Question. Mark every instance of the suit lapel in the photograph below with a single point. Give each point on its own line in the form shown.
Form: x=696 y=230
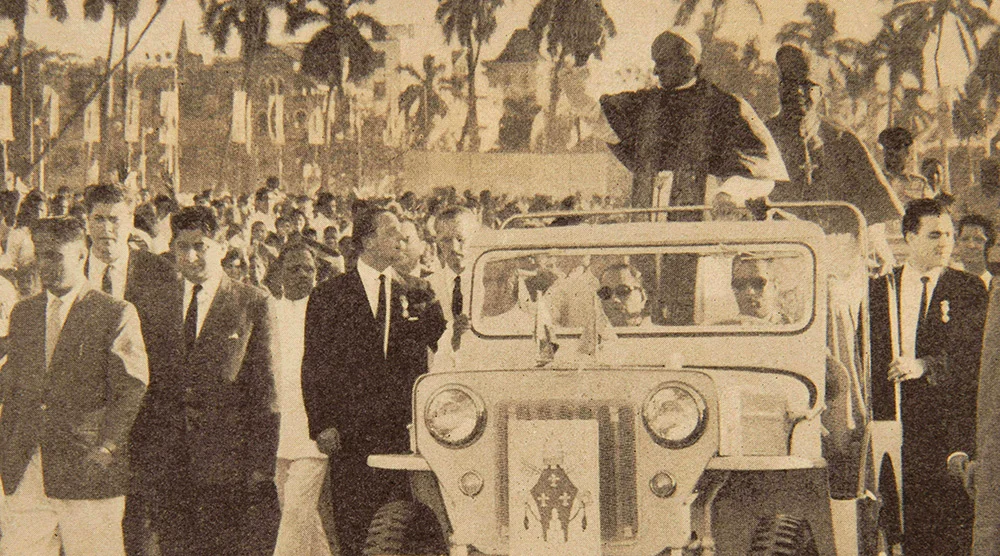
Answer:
x=219 y=313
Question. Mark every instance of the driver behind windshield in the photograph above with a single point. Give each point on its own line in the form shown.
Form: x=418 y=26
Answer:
x=622 y=296
x=755 y=290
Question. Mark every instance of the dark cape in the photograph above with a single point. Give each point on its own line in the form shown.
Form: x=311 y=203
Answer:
x=836 y=168
x=693 y=132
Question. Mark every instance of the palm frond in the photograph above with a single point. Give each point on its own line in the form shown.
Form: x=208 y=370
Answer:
x=93 y=9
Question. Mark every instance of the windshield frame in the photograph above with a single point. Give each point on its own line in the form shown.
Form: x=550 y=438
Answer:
x=655 y=331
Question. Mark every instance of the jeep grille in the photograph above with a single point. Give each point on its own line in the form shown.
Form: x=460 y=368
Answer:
x=616 y=431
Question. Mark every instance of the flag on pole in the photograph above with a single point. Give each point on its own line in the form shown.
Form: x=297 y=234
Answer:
x=276 y=118
x=248 y=125
x=132 y=126
x=51 y=98
x=316 y=126
x=111 y=96
x=238 y=133
x=92 y=121
x=6 y=119
x=169 y=111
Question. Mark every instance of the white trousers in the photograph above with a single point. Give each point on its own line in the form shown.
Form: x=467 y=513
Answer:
x=33 y=524
x=299 y=482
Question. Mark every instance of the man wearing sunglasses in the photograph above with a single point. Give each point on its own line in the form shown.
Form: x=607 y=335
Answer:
x=622 y=296
x=755 y=291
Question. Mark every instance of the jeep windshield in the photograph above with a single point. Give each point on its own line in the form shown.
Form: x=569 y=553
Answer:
x=714 y=289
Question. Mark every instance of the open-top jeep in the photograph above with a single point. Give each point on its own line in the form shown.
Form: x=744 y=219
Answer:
x=656 y=387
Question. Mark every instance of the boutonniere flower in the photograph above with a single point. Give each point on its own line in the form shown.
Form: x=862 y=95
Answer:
x=405 y=303
x=945 y=317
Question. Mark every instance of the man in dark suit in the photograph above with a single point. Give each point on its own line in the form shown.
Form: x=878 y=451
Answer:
x=205 y=440
x=366 y=339
x=139 y=277
x=940 y=312
x=73 y=382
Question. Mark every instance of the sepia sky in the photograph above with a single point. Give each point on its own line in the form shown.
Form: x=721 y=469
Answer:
x=638 y=21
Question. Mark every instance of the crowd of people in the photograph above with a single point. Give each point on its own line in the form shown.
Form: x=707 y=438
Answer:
x=183 y=375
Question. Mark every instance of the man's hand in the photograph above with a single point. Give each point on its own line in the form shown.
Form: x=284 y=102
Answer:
x=906 y=368
x=328 y=441
x=100 y=457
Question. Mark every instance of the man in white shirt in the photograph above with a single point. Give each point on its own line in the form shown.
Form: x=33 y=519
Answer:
x=73 y=383
x=300 y=467
x=452 y=230
x=976 y=235
x=941 y=312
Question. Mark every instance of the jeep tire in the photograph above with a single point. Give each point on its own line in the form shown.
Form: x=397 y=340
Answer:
x=405 y=528
x=783 y=535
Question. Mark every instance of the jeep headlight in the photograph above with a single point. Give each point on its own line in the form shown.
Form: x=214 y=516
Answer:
x=455 y=416
x=675 y=415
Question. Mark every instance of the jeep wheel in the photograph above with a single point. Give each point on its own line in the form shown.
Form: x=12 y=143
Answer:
x=404 y=527
x=783 y=535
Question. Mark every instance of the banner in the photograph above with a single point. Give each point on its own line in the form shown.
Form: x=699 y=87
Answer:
x=169 y=111
x=238 y=133
x=316 y=126
x=276 y=119
x=51 y=98
x=132 y=125
x=6 y=119
x=248 y=125
x=92 y=121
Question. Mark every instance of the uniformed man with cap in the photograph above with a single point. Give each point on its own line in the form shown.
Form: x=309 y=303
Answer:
x=687 y=126
x=898 y=159
x=825 y=162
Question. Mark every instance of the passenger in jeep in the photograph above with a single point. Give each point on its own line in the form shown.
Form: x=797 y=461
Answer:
x=755 y=290
x=622 y=296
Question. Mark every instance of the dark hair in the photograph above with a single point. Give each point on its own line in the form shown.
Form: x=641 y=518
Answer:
x=895 y=138
x=63 y=229
x=366 y=224
x=104 y=194
x=324 y=198
x=980 y=221
x=195 y=218
x=234 y=254
x=27 y=213
x=272 y=183
x=292 y=247
x=919 y=208
x=261 y=194
x=165 y=204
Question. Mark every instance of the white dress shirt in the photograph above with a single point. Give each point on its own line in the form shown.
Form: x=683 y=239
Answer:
x=986 y=277
x=293 y=438
x=67 y=300
x=205 y=297
x=910 y=292
x=370 y=280
x=119 y=273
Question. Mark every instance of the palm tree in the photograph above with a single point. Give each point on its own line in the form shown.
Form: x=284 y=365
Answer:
x=16 y=11
x=424 y=95
x=907 y=30
x=324 y=54
x=577 y=28
x=687 y=9
x=472 y=23
x=251 y=19
x=122 y=14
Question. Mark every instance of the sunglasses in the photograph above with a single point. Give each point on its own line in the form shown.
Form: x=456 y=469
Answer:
x=756 y=283
x=621 y=291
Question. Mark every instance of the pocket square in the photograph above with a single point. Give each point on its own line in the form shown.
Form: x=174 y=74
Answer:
x=234 y=336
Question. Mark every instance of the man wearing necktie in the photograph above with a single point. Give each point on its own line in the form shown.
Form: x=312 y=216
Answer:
x=367 y=337
x=138 y=277
x=73 y=383
x=453 y=227
x=941 y=312
x=209 y=430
